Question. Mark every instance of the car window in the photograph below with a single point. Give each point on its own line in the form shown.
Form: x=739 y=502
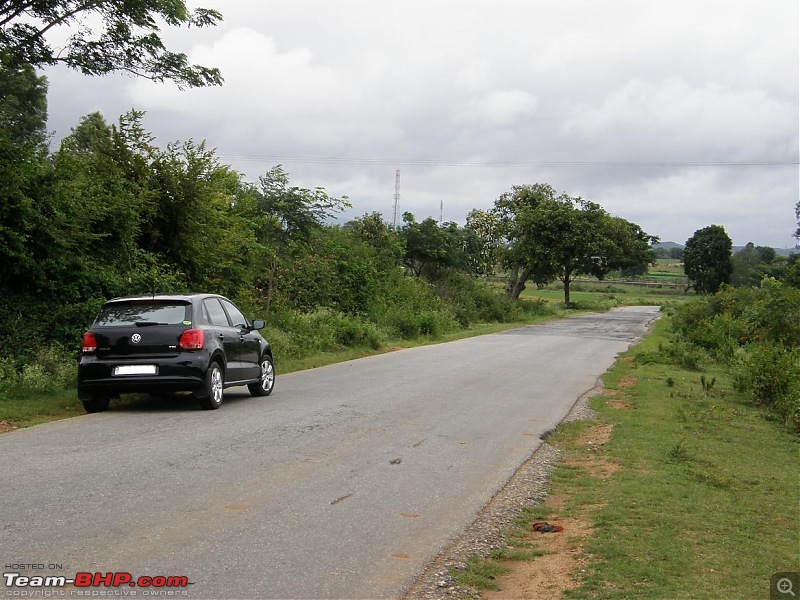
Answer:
x=216 y=312
x=144 y=312
x=237 y=318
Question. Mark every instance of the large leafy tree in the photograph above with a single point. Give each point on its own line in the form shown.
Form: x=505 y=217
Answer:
x=632 y=248
x=432 y=249
x=707 y=259
x=283 y=219
x=511 y=210
x=551 y=237
x=103 y=36
x=373 y=230
x=195 y=224
x=484 y=226
x=23 y=166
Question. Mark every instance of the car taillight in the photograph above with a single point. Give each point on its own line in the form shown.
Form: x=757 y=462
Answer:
x=89 y=343
x=191 y=339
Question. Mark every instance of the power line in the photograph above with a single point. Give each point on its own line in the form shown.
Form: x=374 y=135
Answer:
x=351 y=160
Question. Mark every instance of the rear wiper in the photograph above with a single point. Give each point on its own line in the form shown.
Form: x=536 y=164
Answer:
x=147 y=323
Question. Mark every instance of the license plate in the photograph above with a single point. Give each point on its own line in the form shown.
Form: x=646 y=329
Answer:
x=135 y=370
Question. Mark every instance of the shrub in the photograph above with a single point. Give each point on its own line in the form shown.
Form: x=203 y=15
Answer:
x=50 y=369
x=684 y=355
x=757 y=332
x=771 y=375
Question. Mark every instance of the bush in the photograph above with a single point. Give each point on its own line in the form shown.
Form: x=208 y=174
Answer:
x=684 y=355
x=771 y=375
x=757 y=332
x=51 y=368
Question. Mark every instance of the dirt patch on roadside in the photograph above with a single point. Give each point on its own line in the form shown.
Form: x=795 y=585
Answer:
x=550 y=575
x=558 y=570
x=595 y=437
x=6 y=426
x=619 y=404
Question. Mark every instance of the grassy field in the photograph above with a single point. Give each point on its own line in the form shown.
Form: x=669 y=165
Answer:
x=598 y=295
x=685 y=490
x=667 y=270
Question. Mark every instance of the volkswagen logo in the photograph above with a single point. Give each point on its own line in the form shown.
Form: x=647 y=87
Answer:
x=136 y=338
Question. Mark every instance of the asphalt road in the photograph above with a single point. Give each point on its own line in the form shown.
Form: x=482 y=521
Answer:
x=344 y=483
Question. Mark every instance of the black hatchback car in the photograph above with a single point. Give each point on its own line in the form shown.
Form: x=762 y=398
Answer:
x=198 y=343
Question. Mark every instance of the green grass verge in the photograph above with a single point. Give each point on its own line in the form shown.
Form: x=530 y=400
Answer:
x=705 y=504
x=29 y=407
x=705 y=501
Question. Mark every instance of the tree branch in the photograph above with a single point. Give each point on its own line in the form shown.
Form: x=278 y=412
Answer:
x=22 y=8
x=58 y=21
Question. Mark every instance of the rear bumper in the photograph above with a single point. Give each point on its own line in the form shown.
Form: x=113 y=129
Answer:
x=181 y=374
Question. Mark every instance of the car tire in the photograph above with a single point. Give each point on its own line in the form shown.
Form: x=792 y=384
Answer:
x=266 y=380
x=96 y=405
x=212 y=392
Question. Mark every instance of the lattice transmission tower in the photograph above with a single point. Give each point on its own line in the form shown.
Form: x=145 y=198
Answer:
x=396 y=198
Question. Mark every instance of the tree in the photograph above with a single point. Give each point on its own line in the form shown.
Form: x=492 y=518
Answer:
x=283 y=219
x=127 y=40
x=193 y=222
x=676 y=253
x=752 y=263
x=510 y=210
x=432 y=249
x=797 y=216
x=551 y=237
x=707 y=259
x=23 y=165
x=484 y=226
x=630 y=249
x=373 y=230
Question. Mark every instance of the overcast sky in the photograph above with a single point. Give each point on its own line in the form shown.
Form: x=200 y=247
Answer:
x=673 y=114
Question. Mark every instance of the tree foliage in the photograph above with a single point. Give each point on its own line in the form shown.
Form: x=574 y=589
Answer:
x=707 y=259
x=549 y=237
x=484 y=226
x=283 y=219
x=432 y=249
x=23 y=165
x=797 y=216
x=104 y=36
x=753 y=263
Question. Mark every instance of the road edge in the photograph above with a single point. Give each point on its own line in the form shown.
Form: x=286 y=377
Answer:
x=526 y=487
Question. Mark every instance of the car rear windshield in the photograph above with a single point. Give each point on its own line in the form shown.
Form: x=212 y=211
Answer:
x=143 y=313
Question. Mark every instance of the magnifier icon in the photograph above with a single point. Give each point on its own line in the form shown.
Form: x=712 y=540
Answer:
x=784 y=586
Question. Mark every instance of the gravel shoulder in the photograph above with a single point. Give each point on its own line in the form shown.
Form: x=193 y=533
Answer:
x=527 y=487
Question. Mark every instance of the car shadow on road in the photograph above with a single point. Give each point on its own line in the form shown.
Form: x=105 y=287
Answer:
x=171 y=403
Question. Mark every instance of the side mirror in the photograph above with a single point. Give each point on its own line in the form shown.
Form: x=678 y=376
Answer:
x=258 y=324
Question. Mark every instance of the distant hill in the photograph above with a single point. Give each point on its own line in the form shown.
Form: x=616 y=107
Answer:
x=778 y=251
x=667 y=245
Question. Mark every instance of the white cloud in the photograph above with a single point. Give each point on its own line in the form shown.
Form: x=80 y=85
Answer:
x=677 y=121
x=499 y=108
x=449 y=81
